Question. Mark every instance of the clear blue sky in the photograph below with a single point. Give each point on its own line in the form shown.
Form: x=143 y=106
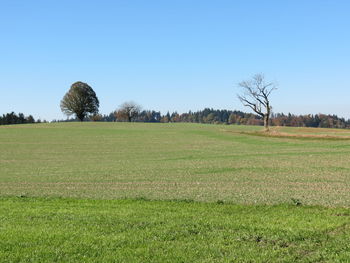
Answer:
x=174 y=55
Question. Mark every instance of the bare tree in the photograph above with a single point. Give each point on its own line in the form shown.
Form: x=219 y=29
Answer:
x=128 y=111
x=256 y=94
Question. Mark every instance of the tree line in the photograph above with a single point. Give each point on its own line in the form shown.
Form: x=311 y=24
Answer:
x=13 y=118
x=214 y=116
x=82 y=103
x=208 y=116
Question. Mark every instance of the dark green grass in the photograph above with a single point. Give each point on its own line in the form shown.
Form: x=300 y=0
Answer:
x=173 y=161
x=69 y=230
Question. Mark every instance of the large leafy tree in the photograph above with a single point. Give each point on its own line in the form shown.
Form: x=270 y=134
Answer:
x=80 y=100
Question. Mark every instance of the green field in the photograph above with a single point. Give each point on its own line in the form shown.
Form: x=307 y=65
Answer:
x=135 y=192
x=66 y=230
x=173 y=161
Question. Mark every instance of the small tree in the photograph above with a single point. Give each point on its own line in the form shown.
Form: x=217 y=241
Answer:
x=256 y=94
x=96 y=117
x=80 y=100
x=128 y=111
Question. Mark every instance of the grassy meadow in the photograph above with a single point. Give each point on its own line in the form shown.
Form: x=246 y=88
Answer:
x=72 y=230
x=136 y=192
x=174 y=161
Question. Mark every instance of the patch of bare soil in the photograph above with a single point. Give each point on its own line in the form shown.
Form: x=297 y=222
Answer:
x=279 y=134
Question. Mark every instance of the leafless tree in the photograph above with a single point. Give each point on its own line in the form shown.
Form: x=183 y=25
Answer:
x=256 y=94
x=128 y=111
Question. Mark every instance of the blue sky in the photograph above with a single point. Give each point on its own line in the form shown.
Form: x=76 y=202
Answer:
x=174 y=55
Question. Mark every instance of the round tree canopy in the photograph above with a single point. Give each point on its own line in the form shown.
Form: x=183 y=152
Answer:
x=80 y=100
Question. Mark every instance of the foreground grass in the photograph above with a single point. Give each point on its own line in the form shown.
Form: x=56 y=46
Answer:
x=71 y=230
x=174 y=161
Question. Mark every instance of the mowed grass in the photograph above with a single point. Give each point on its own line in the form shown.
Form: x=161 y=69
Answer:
x=174 y=161
x=72 y=230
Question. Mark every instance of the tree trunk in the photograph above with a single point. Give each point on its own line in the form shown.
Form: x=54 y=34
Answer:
x=266 y=122
x=80 y=117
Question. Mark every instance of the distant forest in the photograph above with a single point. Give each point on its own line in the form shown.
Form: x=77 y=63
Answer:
x=207 y=115
x=212 y=116
x=13 y=118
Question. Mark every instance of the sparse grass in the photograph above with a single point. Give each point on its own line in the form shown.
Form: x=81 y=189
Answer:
x=69 y=230
x=302 y=133
x=173 y=161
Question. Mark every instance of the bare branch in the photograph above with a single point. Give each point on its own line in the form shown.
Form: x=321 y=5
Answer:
x=256 y=94
x=128 y=111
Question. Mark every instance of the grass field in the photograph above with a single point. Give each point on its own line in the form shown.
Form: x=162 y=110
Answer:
x=174 y=161
x=134 y=192
x=66 y=230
